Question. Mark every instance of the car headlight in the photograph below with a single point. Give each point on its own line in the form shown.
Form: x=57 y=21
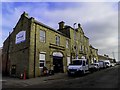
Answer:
x=79 y=69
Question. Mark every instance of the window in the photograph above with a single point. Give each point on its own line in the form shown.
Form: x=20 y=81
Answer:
x=77 y=62
x=82 y=38
x=67 y=43
x=81 y=48
x=57 y=40
x=42 y=36
x=41 y=60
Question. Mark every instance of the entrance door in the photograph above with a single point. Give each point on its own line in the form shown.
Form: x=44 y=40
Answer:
x=58 y=64
x=13 y=70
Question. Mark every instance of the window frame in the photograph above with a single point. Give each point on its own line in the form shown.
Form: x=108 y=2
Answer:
x=42 y=60
x=43 y=37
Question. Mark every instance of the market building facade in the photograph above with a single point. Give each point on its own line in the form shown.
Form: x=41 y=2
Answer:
x=33 y=45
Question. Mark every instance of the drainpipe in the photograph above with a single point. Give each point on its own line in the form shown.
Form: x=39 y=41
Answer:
x=35 y=51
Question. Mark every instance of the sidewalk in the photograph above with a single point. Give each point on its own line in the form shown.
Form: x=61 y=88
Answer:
x=16 y=82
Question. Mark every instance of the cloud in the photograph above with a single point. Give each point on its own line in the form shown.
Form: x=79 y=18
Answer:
x=60 y=0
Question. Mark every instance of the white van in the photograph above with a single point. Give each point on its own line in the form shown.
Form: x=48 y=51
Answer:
x=78 y=66
x=107 y=62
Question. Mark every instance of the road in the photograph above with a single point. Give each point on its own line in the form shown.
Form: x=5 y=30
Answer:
x=107 y=78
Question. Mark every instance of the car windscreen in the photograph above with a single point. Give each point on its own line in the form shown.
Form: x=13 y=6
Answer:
x=77 y=62
x=106 y=63
x=96 y=64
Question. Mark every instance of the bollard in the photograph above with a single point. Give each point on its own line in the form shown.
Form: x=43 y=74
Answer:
x=24 y=75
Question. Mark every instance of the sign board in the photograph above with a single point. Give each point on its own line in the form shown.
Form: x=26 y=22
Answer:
x=20 y=37
x=59 y=54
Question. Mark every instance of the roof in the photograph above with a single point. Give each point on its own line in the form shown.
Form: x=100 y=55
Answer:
x=37 y=22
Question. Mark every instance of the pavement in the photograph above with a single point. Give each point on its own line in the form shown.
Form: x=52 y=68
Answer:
x=8 y=82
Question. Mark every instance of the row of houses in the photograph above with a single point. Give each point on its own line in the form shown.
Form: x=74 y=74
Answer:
x=33 y=45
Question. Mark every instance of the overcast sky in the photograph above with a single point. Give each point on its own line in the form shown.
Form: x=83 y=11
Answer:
x=99 y=20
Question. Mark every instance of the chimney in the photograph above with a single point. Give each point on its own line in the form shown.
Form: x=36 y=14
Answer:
x=79 y=25
x=61 y=25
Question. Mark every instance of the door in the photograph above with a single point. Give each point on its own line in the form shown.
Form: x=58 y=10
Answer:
x=13 y=70
x=58 y=64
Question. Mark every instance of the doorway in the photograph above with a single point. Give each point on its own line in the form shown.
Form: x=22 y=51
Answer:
x=58 y=64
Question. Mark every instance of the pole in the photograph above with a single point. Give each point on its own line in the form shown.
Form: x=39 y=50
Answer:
x=113 y=55
x=34 y=51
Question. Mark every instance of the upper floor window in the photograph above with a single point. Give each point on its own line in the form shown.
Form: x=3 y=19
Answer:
x=82 y=38
x=81 y=48
x=42 y=36
x=67 y=43
x=57 y=40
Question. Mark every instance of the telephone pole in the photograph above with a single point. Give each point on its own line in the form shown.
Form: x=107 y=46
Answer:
x=113 y=55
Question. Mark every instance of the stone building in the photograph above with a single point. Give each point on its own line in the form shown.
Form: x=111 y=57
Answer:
x=93 y=54
x=33 y=45
x=106 y=57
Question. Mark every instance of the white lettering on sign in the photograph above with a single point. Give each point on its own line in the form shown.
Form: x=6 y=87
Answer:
x=20 y=37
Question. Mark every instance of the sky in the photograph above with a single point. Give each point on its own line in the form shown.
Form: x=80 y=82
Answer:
x=99 y=20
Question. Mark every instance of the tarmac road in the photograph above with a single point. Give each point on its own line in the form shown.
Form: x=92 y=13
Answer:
x=107 y=78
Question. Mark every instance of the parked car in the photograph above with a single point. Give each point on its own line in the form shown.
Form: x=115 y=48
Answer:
x=102 y=64
x=94 y=67
x=78 y=67
x=112 y=64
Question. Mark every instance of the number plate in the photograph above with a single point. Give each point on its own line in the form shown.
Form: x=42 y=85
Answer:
x=72 y=72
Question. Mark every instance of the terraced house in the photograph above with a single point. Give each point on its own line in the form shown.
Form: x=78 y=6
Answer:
x=33 y=45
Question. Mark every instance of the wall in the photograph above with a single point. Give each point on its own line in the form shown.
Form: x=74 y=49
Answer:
x=18 y=53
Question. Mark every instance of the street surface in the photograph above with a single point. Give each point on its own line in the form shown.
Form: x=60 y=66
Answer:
x=106 y=78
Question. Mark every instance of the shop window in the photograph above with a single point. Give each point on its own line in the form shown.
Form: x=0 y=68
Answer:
x=41 y=60
x=42 y=36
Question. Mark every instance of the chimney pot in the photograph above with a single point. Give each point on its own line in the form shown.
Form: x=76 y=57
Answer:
x=61 y=25
x=79 y=25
